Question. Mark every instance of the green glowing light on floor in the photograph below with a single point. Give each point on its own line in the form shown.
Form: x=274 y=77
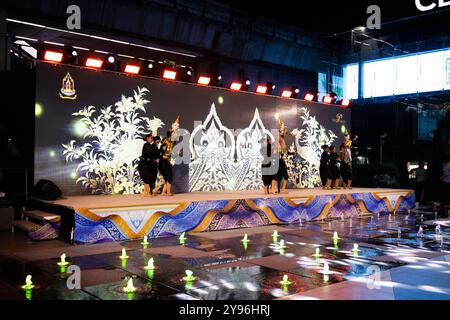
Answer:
x=124 y=255
x=150 y=274
x=130 y=288
x=275 y=237
x=150 y=265
x=63 y=262
x=182 y=238
x=245 y=239
x=221 y=100
x=38 y=110
x=343 y=129
x=73 y=175
x=189 y=277
x=52 y=154
x=145 y=241
x=28 y=294
x=317 y=255
x=28 y=283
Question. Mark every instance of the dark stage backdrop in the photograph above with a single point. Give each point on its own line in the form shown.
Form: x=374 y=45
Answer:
x=89 y=129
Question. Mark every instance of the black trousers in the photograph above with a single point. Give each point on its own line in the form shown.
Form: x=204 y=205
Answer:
x=148 y=172
x=346 y=172
x=324 y=173
x=282 y=171
x=165 y=168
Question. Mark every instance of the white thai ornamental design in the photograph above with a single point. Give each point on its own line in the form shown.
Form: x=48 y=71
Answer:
x=248 y=174
x=108 y=156
x=212 y=148
x=304 y=167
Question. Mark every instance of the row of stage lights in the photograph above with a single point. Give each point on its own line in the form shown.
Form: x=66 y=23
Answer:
x=203 y=80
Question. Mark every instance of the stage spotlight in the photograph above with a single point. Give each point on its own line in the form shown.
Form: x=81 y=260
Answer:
x=132 y=69
x=204 y=81
x=189 y=73
x=309 y=97
x=327 y=99
x=111 y=59
x=219 y=78
x=236 y=86
x=344 y=102
x=94 y=63
x=261 y=89
x=74 y=53
x=150 y=66
x=53 y=56
x=169 y=75
x=248 y=82
x=297 y=91
x=286 y=94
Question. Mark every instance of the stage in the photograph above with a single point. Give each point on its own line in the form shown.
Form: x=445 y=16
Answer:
x=101 y=218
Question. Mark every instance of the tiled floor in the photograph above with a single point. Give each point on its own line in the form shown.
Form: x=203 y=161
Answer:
x=388 y=266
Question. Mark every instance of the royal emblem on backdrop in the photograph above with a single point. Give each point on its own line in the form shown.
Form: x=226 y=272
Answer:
x=339 y=118
x=68 y=88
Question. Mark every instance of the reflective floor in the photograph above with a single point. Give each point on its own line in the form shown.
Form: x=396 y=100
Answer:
x=391 y=262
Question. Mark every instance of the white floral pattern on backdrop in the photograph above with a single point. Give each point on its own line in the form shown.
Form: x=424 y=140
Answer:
x=304 y=162
x=107 y=158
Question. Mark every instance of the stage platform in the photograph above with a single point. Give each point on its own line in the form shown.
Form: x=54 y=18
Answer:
x=102 y=218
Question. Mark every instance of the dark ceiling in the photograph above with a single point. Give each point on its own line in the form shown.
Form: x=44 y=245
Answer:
x=329 y=17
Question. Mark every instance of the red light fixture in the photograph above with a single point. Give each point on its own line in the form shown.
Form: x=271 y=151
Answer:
x=286 y=94
x=261 y=89
x=94 y=63
x=309 y=97
x=236 y=86
x=345 y=103
x=169 y=75
x=53 y=56
x=204 y=81
x=328 y=99
x=132 y=69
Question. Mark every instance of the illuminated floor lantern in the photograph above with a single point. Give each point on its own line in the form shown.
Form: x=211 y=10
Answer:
x=183 y=238
x=317 y=255
x=145 y=241
x=130 y=288
x=355 y=249
x=124 y=255
x=189 y=277
x=150 y=264
x=285 y=283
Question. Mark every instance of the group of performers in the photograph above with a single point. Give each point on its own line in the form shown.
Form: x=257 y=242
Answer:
x=335 y=165
x=157 y=156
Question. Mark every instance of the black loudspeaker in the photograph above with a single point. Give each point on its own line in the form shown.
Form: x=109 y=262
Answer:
x=47 y=190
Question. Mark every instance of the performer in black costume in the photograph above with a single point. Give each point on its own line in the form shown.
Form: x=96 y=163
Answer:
x=155 y=155
x=147 y=165
x=324 y=168
x=266 y=152
x=335 y=165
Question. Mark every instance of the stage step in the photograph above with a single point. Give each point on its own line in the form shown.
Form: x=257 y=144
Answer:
x=41 y=216
x=26 y=226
